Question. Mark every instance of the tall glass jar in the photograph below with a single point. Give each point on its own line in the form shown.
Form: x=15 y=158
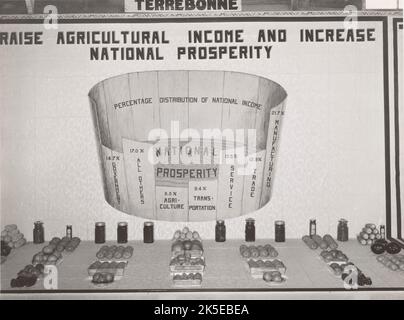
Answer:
x=220 y=231
x=342 y=230
x=250 y=230
x=38 y=232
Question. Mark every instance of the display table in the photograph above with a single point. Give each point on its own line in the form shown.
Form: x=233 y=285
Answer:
x=148 y=268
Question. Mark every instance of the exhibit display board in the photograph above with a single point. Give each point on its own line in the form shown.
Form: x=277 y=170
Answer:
x=81 y=101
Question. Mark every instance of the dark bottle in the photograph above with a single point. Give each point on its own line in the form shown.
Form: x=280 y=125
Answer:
x=122 y=232
x=69 y=231
x=383 y=232
x=99 y=232
x=342 y=230
x=38 y=232
x=312 y=227
x=148 y=232
x=250 y=230
x=220 y=231
x=279 y=231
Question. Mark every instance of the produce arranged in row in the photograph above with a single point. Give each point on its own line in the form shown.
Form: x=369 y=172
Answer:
x=184 y=262
x=114 y=267
x=111 y=264
x=258 y=267
x=103 y=278
x=114 y=252
x=11 y=238
x=338 y=263
x=28 y=276
x=315 y=241
x=258 y=252
x=273 y=277
x=381 y=246
x=187 y=279
x=369 y=234
x=186 y=241
x=333 y=256
x=52 y=253
x=187 y=262
x=262 y=264
x=393 y=262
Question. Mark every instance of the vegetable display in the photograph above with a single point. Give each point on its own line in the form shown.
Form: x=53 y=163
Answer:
x=187 y=263
x=11 y=238
x=316 y=241
x=52 y=253
x=28 y=276
x=273 y=276
x=393 y=262
x=114 y=267
x=100 y=278
x=368 y=235
x=258 y=252
x=114 y=253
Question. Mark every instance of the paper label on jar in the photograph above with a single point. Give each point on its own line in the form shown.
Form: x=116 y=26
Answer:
x=140 y=177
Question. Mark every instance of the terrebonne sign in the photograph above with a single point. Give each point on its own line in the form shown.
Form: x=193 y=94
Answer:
x=181 y=5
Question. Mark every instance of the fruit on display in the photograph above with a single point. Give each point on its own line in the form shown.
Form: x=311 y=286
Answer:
x=187 y=279
x=103 y=278
x=393 y=248
x=12 y=236
x=114 y=252
x=382 y=246
x=368 y=235
x=261 y=259
x=187 y=241
x=310 y=242
x=320 y=242
x=28 y=276
x=379 y=246
x=114 y=267
x=316 y=241
x=393 y=262
x=330 y=256
x=273 y=276
x=258 y=252
x=187 y=262
x=332 y=244
x=5 y=249
x=52 y=252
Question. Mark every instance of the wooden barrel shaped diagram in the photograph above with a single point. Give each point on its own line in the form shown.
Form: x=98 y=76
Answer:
x=187 y=145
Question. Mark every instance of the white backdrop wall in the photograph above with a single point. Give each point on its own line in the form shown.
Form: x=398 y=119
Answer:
x=331 y=160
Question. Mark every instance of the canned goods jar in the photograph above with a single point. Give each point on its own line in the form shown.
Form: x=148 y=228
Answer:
x=342 y=230
x=279 y=231
x=220 y=231
x=383 y=232
x=38 y=232
x=99 y=232
x=148 y=232
x=250 y=230
x=69 y=231
x=122 y=232
x=312 y=227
